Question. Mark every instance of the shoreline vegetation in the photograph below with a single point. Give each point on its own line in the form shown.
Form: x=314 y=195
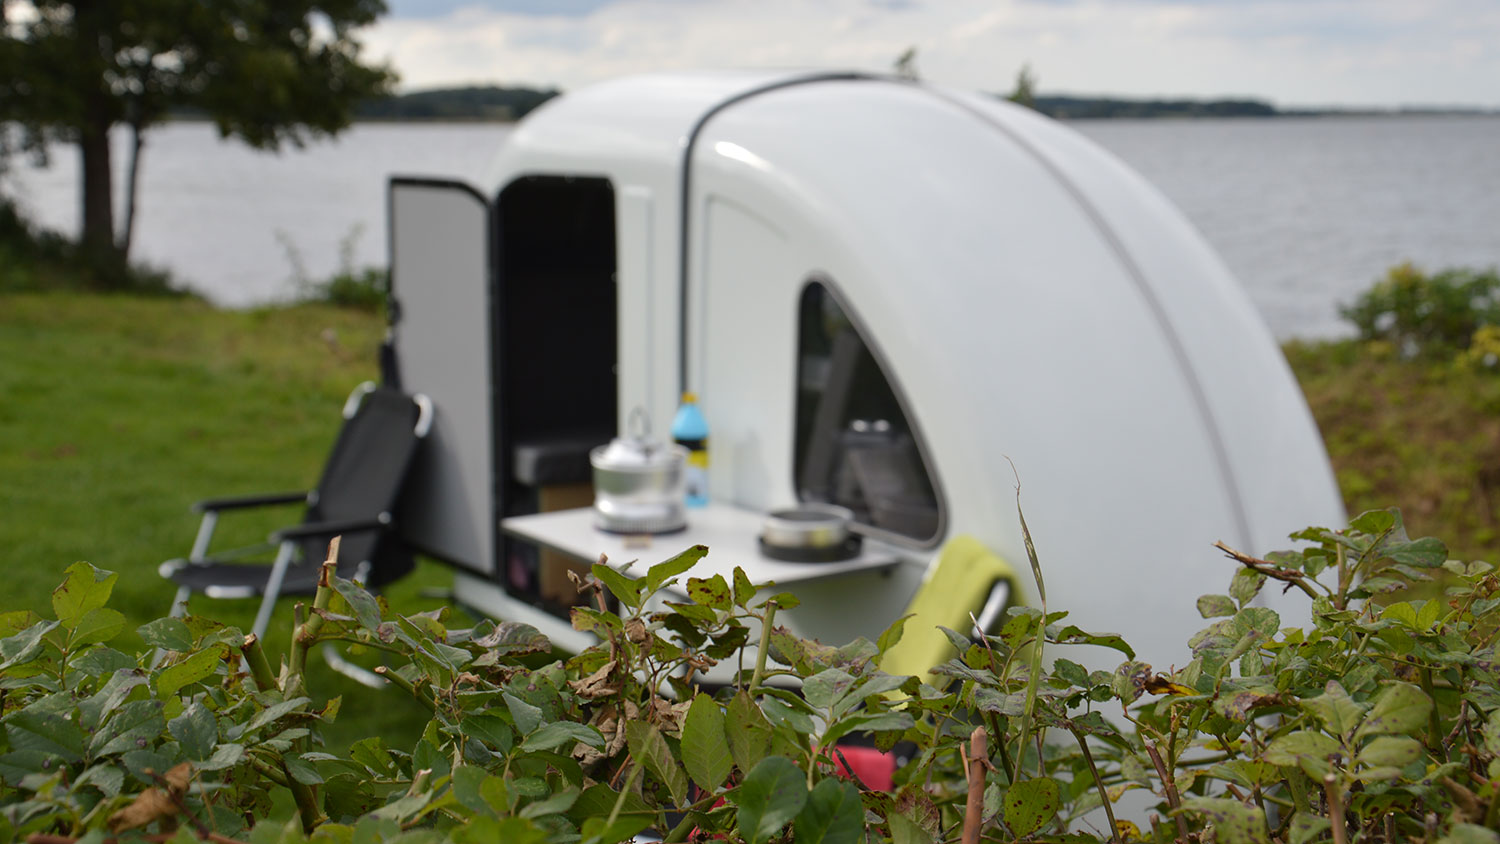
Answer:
x=507 y=104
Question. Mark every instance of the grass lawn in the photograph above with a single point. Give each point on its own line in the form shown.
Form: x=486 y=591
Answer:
x=116 y=413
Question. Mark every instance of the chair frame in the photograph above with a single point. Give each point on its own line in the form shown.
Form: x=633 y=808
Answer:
x=286 y=539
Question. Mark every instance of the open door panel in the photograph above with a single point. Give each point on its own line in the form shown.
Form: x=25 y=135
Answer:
x=442 y=290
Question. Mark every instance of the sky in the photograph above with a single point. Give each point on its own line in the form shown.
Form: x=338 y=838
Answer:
x=1377 y=53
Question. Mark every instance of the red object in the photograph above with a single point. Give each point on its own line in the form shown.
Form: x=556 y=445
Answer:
x=869 y=767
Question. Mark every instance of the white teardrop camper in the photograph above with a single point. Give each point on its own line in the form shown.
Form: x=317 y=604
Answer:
x=882 y=293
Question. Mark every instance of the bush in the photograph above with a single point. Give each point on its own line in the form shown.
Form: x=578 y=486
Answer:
x=1375 y=723
x=1430 y=315
x=37 y=259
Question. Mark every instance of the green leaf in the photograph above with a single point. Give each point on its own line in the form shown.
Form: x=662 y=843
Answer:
x=1214 y=606
x=772 y=794
x=1071 y=635
x=705 y=747
x=97 y=625
x=833 y=815
x=196 y=730
x=625 y=588
x=649 y=748
x=1306 y=828
x=224 y=756
x=892 y=634
x=526 y=717
x=302 y=771
x=744 y=590
x=106 y=777
x=1401 y=612
x=275 y=712
x=1392 y=751
x=30 y=729
x=1245 y=584
x=558 y=803
x=169 y=634
x=1339 y=713
x=490 y=729
x=1306 y=748
x=749 y=732
x=86 y=588
x=659 y=574
x=904 y=830
x=1234 y=822
x=1373 y=522
x=824 y=689
x=561 y=733
x=710 y=592
x=1468 y=833
x=98 y=662
x=1427 y=553
x=366 y=608
x=1400 y=709
x=594 y=805
x=188 y=671
x=1030 y=804
x=134 y=726
x=93 y=710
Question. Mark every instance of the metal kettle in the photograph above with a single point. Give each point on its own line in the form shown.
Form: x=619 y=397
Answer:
x=639 y=482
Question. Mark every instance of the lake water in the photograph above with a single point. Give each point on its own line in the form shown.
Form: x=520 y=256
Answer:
x=1306 y=212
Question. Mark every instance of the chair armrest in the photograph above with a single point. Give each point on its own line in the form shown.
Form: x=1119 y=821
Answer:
x=213 y=505
x=308 y=529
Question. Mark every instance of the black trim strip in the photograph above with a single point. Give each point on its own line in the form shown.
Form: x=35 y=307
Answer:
x=685 y=209
x=1138 y=278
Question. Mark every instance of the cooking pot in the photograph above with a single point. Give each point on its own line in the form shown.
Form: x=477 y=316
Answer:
x=639 y=486
x=812 y=532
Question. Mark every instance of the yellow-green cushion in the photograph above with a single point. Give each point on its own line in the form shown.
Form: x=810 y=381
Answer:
x=955 y=587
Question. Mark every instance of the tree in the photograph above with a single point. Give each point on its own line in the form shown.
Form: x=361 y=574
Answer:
x=1025 y=93
x=265 y=71
x=905 y=66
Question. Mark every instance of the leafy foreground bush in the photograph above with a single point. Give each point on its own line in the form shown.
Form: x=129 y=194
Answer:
x=1375 y=723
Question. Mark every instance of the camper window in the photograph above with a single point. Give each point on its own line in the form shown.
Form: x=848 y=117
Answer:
x=854 y=444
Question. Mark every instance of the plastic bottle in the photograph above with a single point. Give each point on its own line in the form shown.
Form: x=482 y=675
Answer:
x=690 y=430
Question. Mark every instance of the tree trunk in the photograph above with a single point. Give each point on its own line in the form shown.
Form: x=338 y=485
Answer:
x=132 y=176
x=97 y=186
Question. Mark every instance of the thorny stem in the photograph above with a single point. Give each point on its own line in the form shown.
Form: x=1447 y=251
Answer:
x=1170 y=786
x=1336 y=809
x=405 y=685
x=765 y=645
x=1269 y=569
x=1109 y=809
x=974 y=770
x=1434 y=728
x=306 y=634
x=260 y=667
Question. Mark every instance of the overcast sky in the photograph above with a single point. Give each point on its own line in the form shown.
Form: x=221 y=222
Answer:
x=1293 y=52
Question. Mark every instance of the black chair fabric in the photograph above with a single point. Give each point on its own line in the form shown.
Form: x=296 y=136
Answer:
x=361 y=481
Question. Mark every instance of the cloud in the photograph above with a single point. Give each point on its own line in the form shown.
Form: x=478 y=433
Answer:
x=1357 y=52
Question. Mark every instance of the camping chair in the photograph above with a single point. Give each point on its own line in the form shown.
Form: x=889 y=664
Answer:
x=354 y=499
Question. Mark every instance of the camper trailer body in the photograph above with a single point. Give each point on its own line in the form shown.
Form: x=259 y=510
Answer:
x=1028 y=309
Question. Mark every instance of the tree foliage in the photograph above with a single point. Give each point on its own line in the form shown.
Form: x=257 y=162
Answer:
x=265 y=71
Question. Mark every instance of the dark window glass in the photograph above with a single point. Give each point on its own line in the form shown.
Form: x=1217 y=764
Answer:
x=854 y=444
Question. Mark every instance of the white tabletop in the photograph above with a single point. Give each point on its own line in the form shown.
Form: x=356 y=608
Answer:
x=731 y=534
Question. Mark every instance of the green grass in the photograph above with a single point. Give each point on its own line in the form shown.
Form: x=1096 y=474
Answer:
x=117 y=412
x=1421 y=435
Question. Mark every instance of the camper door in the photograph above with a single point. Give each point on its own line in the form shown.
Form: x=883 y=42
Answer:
x=442 y=291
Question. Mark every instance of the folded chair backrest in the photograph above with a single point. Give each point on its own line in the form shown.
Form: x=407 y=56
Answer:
x=362 y=480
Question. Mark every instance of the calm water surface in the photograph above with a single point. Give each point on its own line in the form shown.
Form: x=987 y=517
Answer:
x=1306 y=212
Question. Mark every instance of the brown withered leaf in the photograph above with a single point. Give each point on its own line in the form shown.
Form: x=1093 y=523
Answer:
x=154 y=803
x=635 y=631
x=602 y=683
x=668 y=716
